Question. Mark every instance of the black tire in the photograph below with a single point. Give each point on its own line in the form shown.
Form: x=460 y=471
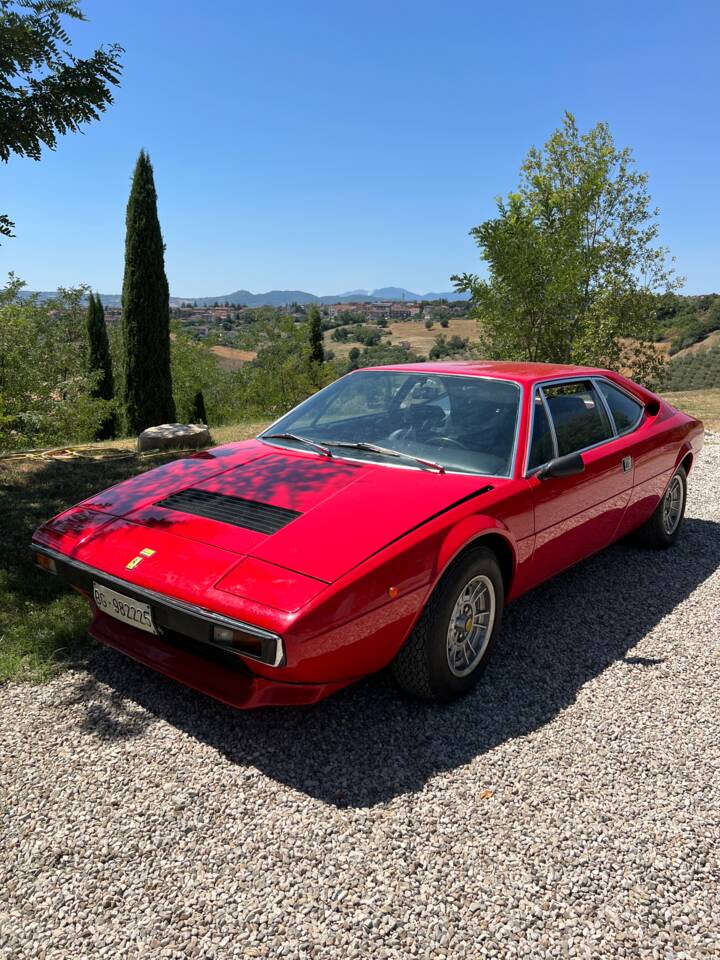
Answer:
x=655 y=533
x=422 y=666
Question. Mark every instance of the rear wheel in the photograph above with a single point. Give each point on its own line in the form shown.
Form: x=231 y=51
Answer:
x=663 y=527
x=451 y=642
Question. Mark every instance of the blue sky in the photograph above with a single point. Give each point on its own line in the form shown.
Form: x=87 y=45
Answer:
x=326 y=146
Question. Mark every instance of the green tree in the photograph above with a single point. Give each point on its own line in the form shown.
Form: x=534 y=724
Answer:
x=573 y=261
x=454 y=347
x=195 y=369
x=369 y=336
x=382 y=353
x=47 y=395
x=100 y=363
x=45 y=91
x=147 y=390
x=281 y=375
x=314 y=319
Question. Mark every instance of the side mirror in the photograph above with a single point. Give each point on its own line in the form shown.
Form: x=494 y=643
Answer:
x=652 y=408
x=566 y=466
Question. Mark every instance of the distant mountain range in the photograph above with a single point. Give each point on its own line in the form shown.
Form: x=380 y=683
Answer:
x=281 y=298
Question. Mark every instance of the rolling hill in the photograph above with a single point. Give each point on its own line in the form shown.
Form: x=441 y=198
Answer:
x=281 y=298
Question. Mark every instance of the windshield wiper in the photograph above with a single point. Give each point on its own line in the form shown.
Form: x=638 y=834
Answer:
x=321 y=447
x=386 y=451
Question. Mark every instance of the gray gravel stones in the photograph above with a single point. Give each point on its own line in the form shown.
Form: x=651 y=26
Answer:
x=569 y=808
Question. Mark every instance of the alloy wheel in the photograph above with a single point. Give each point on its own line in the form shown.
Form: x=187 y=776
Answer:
x=471 y=625
x=672 y=505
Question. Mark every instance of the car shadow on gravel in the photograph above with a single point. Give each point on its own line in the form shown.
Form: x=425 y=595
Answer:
x=368 y=743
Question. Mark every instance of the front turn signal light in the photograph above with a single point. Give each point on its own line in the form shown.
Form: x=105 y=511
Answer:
x=45 y=563
x=238 y=641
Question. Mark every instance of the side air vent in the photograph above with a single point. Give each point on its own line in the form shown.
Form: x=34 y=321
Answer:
x=261 y=517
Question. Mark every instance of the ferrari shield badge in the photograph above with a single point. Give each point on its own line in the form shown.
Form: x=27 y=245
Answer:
x=145 y=552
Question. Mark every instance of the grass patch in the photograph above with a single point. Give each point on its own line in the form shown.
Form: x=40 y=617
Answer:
x=704 y=404
x=43 y=626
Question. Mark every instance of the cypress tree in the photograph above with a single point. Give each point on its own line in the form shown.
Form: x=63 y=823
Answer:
x=198 y=414
x=147 y=390
x=317 y=351
x=100 y=363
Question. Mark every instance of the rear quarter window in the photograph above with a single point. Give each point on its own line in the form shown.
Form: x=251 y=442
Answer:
x=578 y=415
x=626 y=412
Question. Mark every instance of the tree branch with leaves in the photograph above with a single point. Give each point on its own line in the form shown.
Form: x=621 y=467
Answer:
x=45 y=90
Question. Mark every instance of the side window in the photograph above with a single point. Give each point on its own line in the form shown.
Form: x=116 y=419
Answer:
x=578 y=415
x=541 y=443
x=626 y=411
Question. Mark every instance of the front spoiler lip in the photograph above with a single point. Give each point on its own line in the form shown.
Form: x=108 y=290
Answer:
x=191 y=610
x=239 y=689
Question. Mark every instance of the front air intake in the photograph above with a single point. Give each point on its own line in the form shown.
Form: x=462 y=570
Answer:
x=251 y=514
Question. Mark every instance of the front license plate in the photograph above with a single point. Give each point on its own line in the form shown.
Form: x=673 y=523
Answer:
x=124 y=608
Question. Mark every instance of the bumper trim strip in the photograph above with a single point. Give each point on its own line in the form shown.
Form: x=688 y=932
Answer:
x=209 y=616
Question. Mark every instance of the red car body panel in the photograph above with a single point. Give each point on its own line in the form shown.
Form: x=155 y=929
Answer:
x=344 y=583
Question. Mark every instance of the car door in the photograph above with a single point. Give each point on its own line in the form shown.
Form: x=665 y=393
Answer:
x=578 y=515
x=654 y=451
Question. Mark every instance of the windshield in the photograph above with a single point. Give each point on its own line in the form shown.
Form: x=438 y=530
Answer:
x=460 y=423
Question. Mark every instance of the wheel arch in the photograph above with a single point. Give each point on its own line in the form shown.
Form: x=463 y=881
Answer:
x=685 y=456
x=460 y=542
x=686 y=461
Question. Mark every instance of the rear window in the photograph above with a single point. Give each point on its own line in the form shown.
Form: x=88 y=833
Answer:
x=626 y=412
x=578 y=415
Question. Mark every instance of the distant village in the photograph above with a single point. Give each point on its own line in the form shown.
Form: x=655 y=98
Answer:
x=221 y=320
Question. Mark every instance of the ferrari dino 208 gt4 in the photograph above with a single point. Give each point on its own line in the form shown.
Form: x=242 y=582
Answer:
x=385 y=520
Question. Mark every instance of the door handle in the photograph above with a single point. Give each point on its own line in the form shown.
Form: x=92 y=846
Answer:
x=627 y=464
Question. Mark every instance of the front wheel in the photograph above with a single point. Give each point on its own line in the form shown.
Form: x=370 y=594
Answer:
x=663 y=527
x=451 y=642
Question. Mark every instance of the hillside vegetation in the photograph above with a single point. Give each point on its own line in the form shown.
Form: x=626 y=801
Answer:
x=685 y=321
x=698 y=370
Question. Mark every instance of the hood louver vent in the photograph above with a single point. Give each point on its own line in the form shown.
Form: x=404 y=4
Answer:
x=251 y=514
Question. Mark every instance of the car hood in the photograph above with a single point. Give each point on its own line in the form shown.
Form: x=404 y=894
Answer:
x=317 y=516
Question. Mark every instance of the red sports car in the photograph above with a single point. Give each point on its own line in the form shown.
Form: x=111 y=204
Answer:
x=385 y=520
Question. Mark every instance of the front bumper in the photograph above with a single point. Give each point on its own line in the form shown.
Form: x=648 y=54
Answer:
x=184 y=648
x=231 y=683
x=171 y=616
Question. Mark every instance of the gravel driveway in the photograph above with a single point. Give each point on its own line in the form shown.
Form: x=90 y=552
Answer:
x=570 y=807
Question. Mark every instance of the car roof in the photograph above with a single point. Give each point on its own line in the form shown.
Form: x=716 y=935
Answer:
x=520 y=372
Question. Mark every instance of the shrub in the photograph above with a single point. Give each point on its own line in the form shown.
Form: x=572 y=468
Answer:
x=45 y=386
x=449 y=348
x=369 y=336
x=199 y=414
x=195 y=369
x=382 y=353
